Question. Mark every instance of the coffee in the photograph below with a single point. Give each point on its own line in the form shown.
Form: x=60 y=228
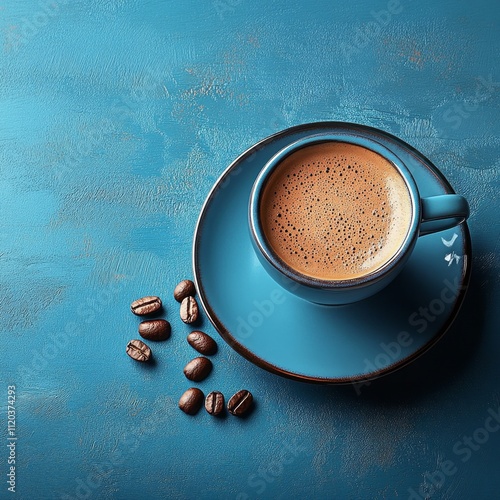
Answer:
x=138 y=350
x=155 y=329
x=146 y=305
x=335 y=211
x=202 y=342
x=189 y=310
x=191 y=401
x=214 y=403
x=240 y=403
x=198 y=369
x=184 y=289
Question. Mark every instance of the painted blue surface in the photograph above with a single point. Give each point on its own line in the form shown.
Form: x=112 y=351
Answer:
x=116 y=118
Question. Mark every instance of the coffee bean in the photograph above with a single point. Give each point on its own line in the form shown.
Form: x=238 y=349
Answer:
x=189 y=310
x=214 y=403
x=202 y=342
x=198 y=369
x=138 y=350
x=240 y=403
x=146 y=305
x=184 y=289
x=155 y=329
x=191 y=401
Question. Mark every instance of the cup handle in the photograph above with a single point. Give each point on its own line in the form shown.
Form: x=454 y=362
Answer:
x=442 y=212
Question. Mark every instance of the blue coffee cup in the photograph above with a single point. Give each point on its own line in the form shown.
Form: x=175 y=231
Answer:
x=425 y=215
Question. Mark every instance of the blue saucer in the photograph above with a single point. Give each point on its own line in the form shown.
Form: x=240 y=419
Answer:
x=330 y=344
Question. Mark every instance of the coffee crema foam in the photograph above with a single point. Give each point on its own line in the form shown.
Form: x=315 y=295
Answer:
x=335 y=211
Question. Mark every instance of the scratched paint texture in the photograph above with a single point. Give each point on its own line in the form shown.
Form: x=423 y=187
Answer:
x=116 y=117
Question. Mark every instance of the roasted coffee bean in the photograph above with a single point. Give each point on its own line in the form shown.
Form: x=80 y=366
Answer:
x=214 y=403
x=202 y=342
x=138 y=350
x=198 y=369
x=155 y=329
x=184 y=289
x=240 y=403
x=191 y=401
x=146 y=305
x=189 y=310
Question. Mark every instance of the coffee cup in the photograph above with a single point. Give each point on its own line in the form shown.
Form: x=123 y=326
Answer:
x=334 y=217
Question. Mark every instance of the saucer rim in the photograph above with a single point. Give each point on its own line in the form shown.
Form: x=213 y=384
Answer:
x=270 y=367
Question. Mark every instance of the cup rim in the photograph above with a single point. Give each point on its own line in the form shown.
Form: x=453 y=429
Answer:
x=265 y=249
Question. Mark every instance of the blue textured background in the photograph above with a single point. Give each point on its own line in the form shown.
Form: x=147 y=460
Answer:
x=116 y=117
